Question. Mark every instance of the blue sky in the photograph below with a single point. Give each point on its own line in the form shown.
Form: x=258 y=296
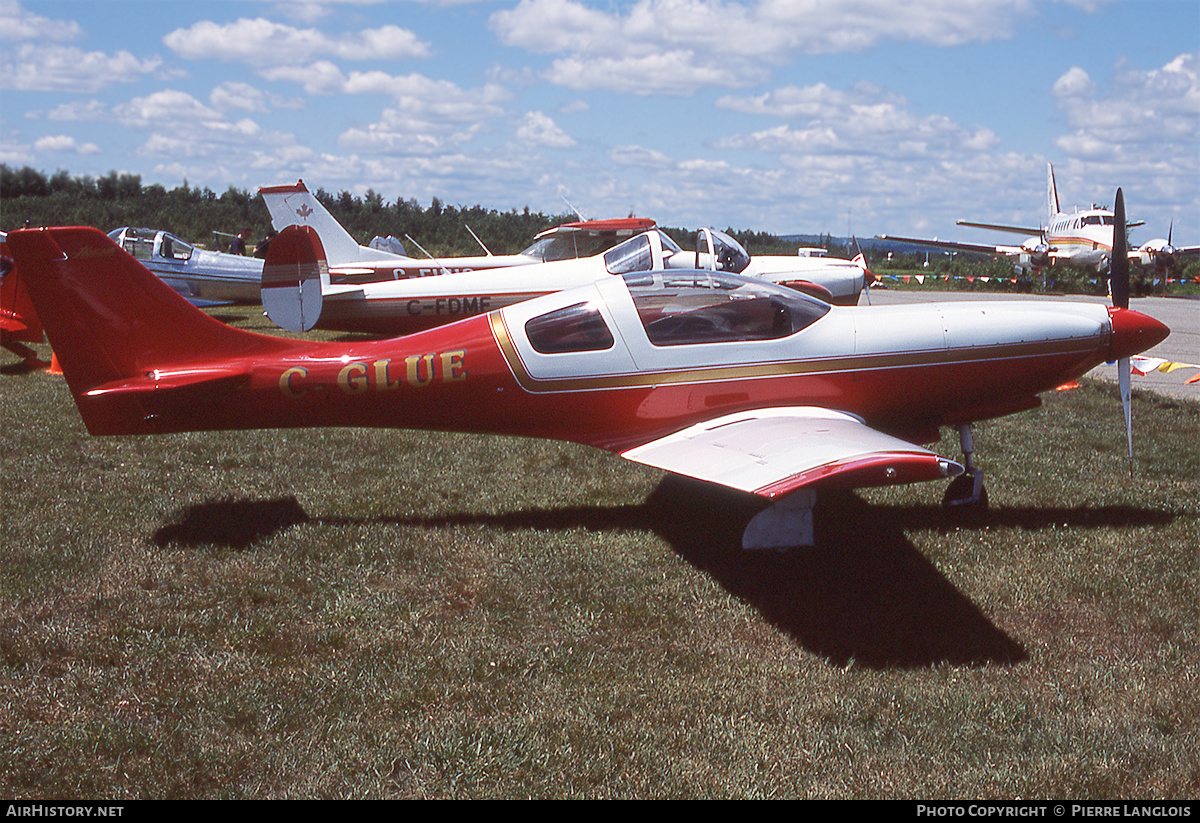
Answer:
x=863 y=116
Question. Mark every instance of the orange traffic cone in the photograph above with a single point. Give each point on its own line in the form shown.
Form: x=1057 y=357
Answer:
x=54 y=367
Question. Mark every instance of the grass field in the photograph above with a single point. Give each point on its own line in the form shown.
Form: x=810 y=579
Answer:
x=343 y=613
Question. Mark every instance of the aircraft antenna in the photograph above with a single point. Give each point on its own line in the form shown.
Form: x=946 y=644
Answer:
x=574 y=210
x=486 y=250
x=427 y=254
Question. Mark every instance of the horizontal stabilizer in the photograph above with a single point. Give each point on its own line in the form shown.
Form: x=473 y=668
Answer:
x=294 y=276
x=168 y=380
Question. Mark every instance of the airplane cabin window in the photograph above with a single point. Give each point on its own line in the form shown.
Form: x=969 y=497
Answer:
x=570 y=245
x=574 y=328
x=716 y=308
x=172 y=248
x=632 y=255
x=138 y=242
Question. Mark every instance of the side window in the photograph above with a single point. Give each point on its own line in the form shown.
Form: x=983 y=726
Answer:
x=632 y=255
x=173 y=248
x=574 y=328
x=138 y=243
x=758 y=318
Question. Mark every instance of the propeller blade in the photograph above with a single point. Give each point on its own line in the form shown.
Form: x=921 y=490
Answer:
x=868 y=275
x=1118 y=274
x=1124 y=371
x=1118 y=266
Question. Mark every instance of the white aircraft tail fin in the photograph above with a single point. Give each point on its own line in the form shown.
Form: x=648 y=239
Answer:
x=297 y=206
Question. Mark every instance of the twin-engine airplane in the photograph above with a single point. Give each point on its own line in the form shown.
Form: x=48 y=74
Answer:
x=299 y=294
x=707 y=374
x=1081 y=239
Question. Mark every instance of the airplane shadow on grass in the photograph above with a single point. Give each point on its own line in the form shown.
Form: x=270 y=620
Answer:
x=863 y=595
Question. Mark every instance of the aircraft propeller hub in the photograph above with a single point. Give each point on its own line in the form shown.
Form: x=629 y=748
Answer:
x=1134 y=332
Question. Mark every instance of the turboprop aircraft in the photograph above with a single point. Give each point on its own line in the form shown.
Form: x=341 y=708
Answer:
x=200 y=275
x=350 y=262
x=305 y=298
x=708 y=374
x=1080 y=239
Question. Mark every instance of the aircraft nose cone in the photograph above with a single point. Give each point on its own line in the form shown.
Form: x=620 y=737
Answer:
x=1133 y=333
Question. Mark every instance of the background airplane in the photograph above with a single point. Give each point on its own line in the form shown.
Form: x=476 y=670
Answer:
x=706 y=374
x=351 y=262
x=1080 y=239
x=200 y=275
x=299 y=294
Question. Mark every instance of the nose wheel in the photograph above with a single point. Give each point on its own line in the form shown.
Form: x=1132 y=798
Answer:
x=967 y=490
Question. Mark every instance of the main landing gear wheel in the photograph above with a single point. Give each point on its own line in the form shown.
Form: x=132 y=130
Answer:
x=967 y=491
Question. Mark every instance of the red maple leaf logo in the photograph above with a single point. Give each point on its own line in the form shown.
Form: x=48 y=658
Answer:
x=304 y=211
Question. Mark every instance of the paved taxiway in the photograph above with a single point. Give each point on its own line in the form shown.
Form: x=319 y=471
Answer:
x=1182 y=316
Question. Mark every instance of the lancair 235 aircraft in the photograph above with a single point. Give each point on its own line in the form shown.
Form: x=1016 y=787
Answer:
x=707 y=374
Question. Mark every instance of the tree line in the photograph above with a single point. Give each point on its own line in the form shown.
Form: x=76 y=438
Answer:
x=200 y=215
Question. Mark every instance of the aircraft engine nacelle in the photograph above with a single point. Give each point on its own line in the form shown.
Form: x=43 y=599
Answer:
x=1158 y=253
x=1036 y=254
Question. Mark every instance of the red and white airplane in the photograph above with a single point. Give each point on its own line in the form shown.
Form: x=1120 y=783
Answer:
x=1080 y=239
x=707 y=374
x=372 y=290
x=302 y=299
x=385 y=258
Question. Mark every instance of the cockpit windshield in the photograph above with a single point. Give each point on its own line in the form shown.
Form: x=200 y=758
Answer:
x=637 y=254
x=568 y=245
x=687 y=307
x=172 y=248
x=718 y=251
x=140 y=244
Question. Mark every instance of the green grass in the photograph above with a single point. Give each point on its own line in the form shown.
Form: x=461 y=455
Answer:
x=343 y=613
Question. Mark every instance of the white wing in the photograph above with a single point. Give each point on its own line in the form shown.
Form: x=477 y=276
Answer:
x=772 y=452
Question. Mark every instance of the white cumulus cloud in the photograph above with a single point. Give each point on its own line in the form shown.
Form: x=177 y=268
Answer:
x=264 y=42
x=538 y=129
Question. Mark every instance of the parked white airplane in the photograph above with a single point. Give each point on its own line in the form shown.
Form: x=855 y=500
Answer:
x=830 y=279
x=385 y=258
x=298 y=293
x=1080 y=239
